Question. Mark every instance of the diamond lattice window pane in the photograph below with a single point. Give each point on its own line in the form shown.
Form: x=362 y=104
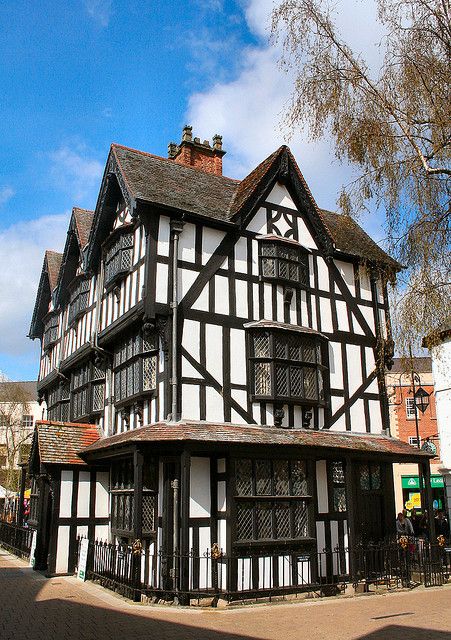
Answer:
x=268 y=249
x=263 y=477
x=148 y=512
x=299 y=485
x=263 y=386
x=280 y=346
x=244 y=521
x=309 y=351
x=264 y=521
x=339 y=494
x=364 y=474
x=375 y=476
x=284 y=269
x=281 y=477
x=310 y=386
x=282 y=386
x=149 y=373
x=296 y=381
x=338 y=474
x=243 y=479
x=98 y=395
x=300 y=520
x=269 y=267
x=294 y=348
x=261 y=345
x=282 y=513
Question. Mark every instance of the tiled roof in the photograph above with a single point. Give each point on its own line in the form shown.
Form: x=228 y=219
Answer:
x=350 y=238
x=54 y=261
x=233 y=434
x=271 y=324
x=420 y=365
x=163 y=182
x=83 y=221
x=28 y=388
x=59 y=442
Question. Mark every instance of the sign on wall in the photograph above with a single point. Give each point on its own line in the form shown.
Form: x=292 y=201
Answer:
x=413 y=482
x=32 y=560
x=83 y=559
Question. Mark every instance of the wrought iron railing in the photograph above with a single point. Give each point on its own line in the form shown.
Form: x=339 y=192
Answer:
x=15 y=538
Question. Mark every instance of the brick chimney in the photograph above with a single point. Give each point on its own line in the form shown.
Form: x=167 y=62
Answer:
x=194 y=153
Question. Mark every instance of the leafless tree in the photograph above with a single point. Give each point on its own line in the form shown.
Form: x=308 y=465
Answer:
x=393 y=125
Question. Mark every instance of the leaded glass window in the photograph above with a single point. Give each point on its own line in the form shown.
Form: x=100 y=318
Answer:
x=284 y=260
x=135 y=366
x=118 y=258
x=122 y=498
x=79 y=299
x=87 y=390
x=370 y=476
x=58 y=399
x=286 y=365
x=272 y=498
x=50 y=331
x=337 y=483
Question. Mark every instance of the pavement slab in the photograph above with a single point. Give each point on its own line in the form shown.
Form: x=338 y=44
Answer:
x=33 y=607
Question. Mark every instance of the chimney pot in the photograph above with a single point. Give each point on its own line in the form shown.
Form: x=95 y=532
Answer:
x=197 y=140
x=217 y=141
x=187 y=133
x=172 y=149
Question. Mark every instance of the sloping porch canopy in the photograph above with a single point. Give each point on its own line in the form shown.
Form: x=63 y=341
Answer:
x=59 y=443
x=208 y=435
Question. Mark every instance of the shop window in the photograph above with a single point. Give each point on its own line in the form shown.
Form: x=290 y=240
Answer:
x=286 y=365
x=283 y=260
x=118 y=258
x=135 y=367
x=272 y=500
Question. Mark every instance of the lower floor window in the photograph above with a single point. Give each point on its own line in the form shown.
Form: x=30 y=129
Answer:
x=272 y=520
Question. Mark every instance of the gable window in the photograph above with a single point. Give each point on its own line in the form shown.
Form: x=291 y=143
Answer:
x=283 y=260
x=79 y=299
x=135 y=367
x=272 y=499
x=50 y=331
x=58 y=399
x=118 y=258
x=286 y=365
x=88 y=391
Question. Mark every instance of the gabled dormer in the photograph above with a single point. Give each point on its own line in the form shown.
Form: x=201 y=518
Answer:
x=47 y=284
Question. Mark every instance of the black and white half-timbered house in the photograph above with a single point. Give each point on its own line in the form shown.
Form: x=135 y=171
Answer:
x=213 y=356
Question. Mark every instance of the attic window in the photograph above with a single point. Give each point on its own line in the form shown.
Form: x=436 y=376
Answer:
x=283 y=260
x=118 y=258
x=79 y=299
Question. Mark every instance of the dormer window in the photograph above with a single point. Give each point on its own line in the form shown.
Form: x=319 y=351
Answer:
x=79 y=299
x=50 y=331
x=286 y=363
x=284 y=260
x=118 y=258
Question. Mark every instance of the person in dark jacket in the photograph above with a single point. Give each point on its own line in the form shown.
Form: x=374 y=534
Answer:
x=441 y=525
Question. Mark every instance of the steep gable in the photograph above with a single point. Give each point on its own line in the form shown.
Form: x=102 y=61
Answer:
x=49 y=277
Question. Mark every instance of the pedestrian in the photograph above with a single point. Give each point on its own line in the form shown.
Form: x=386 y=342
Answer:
x=403 y=526
x=441 y=525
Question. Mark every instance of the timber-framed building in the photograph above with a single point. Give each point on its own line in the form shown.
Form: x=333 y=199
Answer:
x=213 y=356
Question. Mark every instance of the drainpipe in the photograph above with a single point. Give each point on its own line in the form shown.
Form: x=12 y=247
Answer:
x=175 y=535
x=176 y=228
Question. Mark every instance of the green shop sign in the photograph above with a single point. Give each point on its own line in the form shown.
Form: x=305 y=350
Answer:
x=413 y=482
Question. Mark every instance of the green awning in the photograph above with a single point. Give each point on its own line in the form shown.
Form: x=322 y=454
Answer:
x=413 y=482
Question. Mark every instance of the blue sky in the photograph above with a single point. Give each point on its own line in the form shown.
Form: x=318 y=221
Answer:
x=79 y=75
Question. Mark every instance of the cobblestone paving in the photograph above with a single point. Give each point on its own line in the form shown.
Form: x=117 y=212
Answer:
x=33 y=607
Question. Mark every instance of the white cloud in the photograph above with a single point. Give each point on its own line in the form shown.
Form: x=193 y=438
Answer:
x=6 y=193
x=99 y=10
x=22 y=247
x=248 y=110
x=73 y=171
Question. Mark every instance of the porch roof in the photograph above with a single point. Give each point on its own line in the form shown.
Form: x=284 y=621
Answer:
x=237 y=434
x=60 y=442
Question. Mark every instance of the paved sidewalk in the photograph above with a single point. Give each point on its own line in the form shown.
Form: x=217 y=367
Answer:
x=33 y=607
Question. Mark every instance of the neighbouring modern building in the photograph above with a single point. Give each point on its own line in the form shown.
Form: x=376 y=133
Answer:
x=19 y=412
x=213 y=356
x=406 y=417
x=441 y=369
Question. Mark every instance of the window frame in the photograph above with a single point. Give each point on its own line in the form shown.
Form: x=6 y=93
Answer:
x=411 y=409
x=273 y=360
x=273 y=501
x=413 y=441
x=134 y=362
x=25 y=423
x=56 y=411
x=50 y=333
x=116 y=248
x=79 y=298
x=93 y=377
x=281 y=244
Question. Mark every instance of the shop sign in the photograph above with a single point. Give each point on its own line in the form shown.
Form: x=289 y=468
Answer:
x=413 y=482
x=32 y=560
x=83 y=559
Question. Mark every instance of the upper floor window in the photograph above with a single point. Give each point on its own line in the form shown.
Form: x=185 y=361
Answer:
x=414 y=441
x=118 y=258
x=27 y=422
x=50 y=331
x=135 y=366
x=411 y=409
x=283 y=259
x=79 y=299
x=88 y=391
x=286 y=365
x=58 y=399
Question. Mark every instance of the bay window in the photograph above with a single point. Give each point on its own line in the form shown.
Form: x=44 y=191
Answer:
x=135 y=366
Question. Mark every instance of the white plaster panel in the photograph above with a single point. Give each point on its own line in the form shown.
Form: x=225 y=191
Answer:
x=305 y=237
x=200 y=497
x=368 y=314
x=186 y=279
x=163 y=236
x=254 y=258
x=375 y=416
x=346 y=270
x=255 y=302
x=326 y=315
x=279 y=299
x=215 y=405
x=102 y=494
x=237 y=356
x=241 y=255
x=102 y=532
x=242 y=310
x=222 y=295
x=267 y=301
x=66 y=494
x=82 y=531
x=258 y=222
x=340 y=424
x=365 y=286
x=240 y=396
x=314 y=319
x=354 y=367
x=84 y=492
x=357 y=411
x=221 y=496
x=323 y=274
x=188 y=371
x=335 y=365
x=370 y=361
x=62 y=550
x=279 y=195
x=213 y=339
x=304 y=307
x=321 y=545
x=321 y=486
x=221 y=465
x=161 y=290
x=201 y=304
x=191 y=338
x=222 y=534
x=187 y=243
x=211 y=238
x=190 y=402
x=342 y=315
x=335 y=403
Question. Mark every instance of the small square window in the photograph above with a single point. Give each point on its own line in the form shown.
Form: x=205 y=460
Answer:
x=413 y=440
x=411 y=409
